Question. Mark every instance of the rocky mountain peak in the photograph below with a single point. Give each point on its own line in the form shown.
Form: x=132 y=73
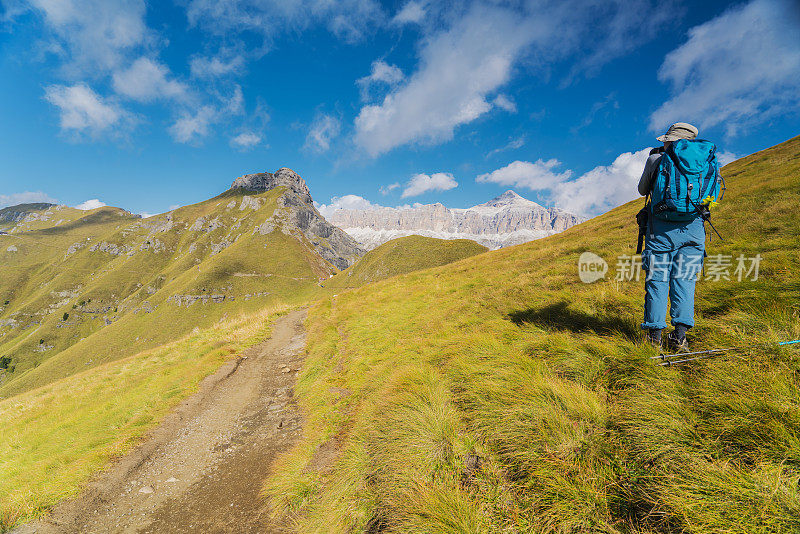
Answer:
x=509 y=199
x=264 y=181
x=509 y=195
x=296 y=211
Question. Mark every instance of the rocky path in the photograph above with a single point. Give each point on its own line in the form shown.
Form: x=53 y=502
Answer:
x=201 y=470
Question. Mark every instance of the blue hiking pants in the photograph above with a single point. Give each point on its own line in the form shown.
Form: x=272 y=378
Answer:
x=671 y=260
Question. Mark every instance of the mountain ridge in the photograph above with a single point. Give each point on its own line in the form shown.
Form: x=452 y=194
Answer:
x=508 y=219
x=83 y=287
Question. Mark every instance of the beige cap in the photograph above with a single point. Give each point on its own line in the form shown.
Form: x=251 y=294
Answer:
x=679 y=130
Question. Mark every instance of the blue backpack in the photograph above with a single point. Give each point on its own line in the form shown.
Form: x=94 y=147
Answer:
x=688 y=181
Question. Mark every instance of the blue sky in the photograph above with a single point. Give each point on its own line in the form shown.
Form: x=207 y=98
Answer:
x=149 y=105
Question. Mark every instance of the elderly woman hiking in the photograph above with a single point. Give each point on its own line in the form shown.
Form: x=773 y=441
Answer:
x=682 y=182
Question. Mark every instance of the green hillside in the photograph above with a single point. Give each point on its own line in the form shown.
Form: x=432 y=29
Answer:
x=404 y=255
x=501 y=394
x=57 y=436
x=106 y=285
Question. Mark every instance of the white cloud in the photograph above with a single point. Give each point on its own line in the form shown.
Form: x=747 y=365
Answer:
x=411 y=12
x=740 y=68
x=90 y=204
x=27 y=197
x=245 y=140
x=724 y=157
x=349 y=20
x=191 y=127
x=535 y=176
x=84 y=112
x=173 y=207
x=346 y=202
x=381 y=74
x=323 y=130
x=147 y=80
x=234 y=104
x=386 y=189
x=460 y=67
x=422 y=183
x=463 y=64
x=513 y=144
x=596 y=191
x=603 y=187
x=146 y=214
x=194 y=123
x=223 y=64
x=504 y=102
x=96 y=35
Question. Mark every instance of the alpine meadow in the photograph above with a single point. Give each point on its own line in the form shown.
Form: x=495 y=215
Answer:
x=399 y=267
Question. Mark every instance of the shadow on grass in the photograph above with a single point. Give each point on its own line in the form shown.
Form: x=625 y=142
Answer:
x=559 y=316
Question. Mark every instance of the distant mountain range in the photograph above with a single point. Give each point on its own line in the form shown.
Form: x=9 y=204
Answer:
x=503 y=221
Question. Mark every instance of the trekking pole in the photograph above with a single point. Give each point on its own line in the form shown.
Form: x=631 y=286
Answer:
x=699 y=355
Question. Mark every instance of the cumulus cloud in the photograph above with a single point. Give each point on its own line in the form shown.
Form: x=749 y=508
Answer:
x=95 y=35
x=422 y=183
x=603 y=187
x=323 y=130
x=245 y=140
x=504 y=102
x=349 y=20
x=91 y=204
x=194 y=123
x=346 y=202
x=225 y=63
x=724 y=157
x=85 y=113
x=381 y=74
x=737 y=69
x=27 y=197
x=386 y=189
x=412 y=12
x=596 y=191
x=534 y=176
x=436 y=99
x=464 y=64
x=190 y=127
x=147 y=80
x=513 y=144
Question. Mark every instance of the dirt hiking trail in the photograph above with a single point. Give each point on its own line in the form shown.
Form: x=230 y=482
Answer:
x=201 y=470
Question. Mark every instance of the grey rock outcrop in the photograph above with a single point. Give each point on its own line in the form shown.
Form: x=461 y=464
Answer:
x=264 y=181
x=17 y=213
x=506 y=220
x=296 y=212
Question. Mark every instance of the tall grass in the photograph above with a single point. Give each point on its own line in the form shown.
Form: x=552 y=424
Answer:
x=500 y=394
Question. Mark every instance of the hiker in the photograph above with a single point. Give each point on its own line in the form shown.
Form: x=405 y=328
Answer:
x=681 y=181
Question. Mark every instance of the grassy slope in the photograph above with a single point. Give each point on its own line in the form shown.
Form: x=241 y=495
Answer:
x=118 y=304
x=56 y=436
x=404 y=255
x=505 y=361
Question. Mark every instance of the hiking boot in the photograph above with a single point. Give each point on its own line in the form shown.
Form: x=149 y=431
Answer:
x=677 y=343
x=654 y=338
